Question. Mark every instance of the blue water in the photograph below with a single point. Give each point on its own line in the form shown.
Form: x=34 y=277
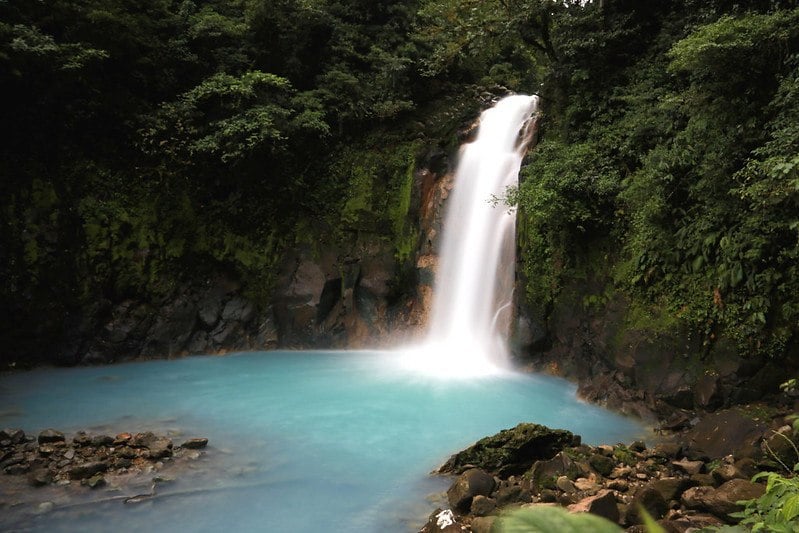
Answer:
x=298 y=441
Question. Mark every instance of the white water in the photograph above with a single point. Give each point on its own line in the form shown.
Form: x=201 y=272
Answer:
x=473 y=291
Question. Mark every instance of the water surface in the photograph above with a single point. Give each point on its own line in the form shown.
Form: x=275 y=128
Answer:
x=299 y=441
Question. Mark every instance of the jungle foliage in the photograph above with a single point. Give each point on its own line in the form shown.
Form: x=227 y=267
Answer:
x=146 y=143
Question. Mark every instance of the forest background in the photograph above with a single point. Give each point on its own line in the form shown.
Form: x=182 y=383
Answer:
x=147 y=144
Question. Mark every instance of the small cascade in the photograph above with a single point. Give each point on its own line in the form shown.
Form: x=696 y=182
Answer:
x=473 y=290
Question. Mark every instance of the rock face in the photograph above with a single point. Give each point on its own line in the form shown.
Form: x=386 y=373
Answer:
x=640 y=361
x=511 y=451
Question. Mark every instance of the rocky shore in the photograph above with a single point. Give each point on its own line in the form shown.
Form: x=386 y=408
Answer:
x=689 y=479
x=40 y=473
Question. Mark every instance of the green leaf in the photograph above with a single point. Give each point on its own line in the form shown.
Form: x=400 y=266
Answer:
x=549 y=519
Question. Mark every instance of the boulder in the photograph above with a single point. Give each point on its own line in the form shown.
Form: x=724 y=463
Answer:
x=544 y=473
x=511 y=451
x=13 y=436
x=603 y=464
x=721 y=501
x=50 y=436
x=726 y=432
x=689 y=467
x=670 y=488
x=471 y=483
x=602 y=504
x=482 y=505
x=648 y=499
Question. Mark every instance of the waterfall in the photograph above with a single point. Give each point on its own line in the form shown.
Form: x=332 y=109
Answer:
x=473 y=290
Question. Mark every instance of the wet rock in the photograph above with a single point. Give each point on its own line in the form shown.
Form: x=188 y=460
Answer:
x=670 y=488
x=158 y=447
x=87 y=470
x=511 y=451
x=40 y=477
x=722 y=501
x=102 y=440
x=95 y=481
x=565 y=484
x=667 y=450
x=726 y=432
x=602 y=504
x=482 y=505
x=544 y=473
x=648 y=499
x=471 y=483
x=603 y=464
x=17 y=469
x=619 y=485
x=780 y=446
x=13 y=436
x=50 y=436
x=689 y=467
x=195 y=443
x=727 y=472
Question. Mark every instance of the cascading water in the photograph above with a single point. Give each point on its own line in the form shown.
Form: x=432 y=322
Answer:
x=474 y=284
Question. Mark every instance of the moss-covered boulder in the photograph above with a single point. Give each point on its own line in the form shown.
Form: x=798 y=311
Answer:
x=511 y=451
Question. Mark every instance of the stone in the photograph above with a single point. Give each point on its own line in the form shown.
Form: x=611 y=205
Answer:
x=158 y=447
x=602 y=504
x=727 y=472
x=670 y=488
x=706 y=392
x=638 y=446
x=471 y=483
x=195 y=443
x=39 y=477
x=102 y=440
x=586 y=485
x=565 y=484
x=511 y=494
x=721 y=501
x=13 y=436
x=619 y=485
x=511 y=451
x=621 y=472
x=44 y=507
x=648 y=499
x=603 y=464
x=50 y=436
x=725 y=432
x=544 y=473
x=95 y=481
x=482 y=505
x=17 y=469
x=666 y=450
x=87 y=470
x=82 y=439
x=780 y=446
x=689 y=467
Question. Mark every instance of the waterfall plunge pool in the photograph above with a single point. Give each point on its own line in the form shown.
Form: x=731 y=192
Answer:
x=298 y=441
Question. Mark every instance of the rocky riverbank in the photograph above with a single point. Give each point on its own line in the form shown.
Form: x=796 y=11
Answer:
x=690 y=479
x=38 y=474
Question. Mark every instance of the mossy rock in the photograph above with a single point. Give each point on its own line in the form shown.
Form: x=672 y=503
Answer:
x=511 y=451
